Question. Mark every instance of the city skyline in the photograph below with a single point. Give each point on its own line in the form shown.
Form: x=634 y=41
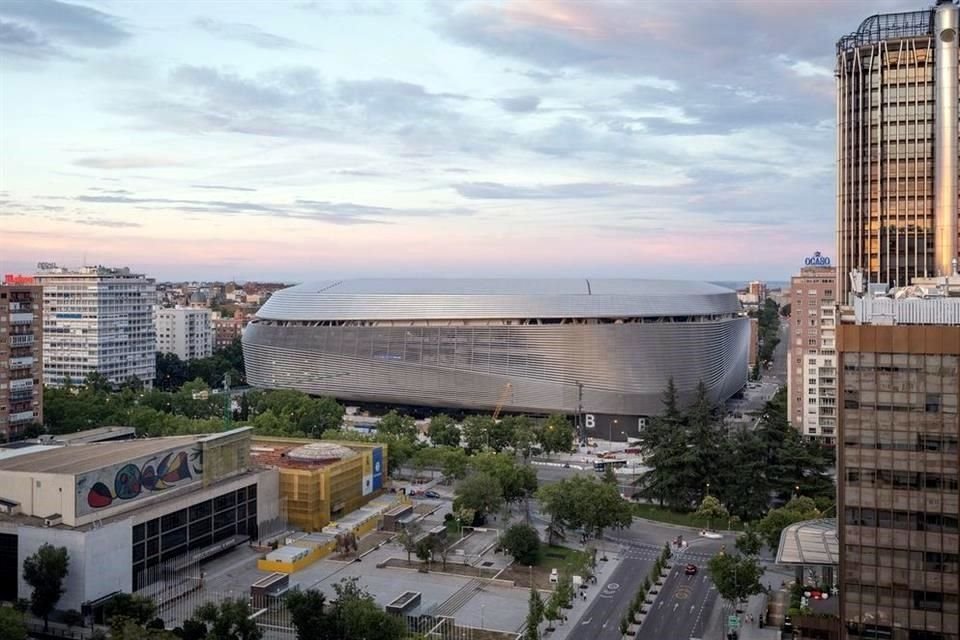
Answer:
x=357 y=139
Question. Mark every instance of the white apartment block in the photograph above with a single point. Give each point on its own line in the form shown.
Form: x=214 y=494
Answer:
x=185 y=331
x=812 y=370
x=97 y=319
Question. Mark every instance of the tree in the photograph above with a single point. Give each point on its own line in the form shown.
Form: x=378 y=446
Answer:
x=140 y=609
x=556 y=434
x=523 y=543
x=773 y=524
x=443 y=431
x=398 y=426
x=609 y=475
x=229 y=621
x=424 y=550
x=455 y=463
x=585 y=503
x=524 y=435
x=479 y=494
x=309 y=615
x=45 y=571
x=535 y=610
x=711 y=509
x=551 y=610
x=736 y=577
x=408 y=538
x=501 y=434
x=12 y=626
x=122 y=628
x=357 y=616
x=476 y=432
x=749 y=542
x=517 y=481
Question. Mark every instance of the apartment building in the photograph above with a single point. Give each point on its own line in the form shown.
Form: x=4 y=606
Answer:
x=898 y=463
x=812 y=370
x=97 y=319
x=21 y=357
x=227 y=330
x=186 y=332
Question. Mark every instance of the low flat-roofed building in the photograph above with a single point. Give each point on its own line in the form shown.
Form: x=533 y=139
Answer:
x=125 y=509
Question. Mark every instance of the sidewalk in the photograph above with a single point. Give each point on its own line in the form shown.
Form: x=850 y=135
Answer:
x=580 y=606
x=756 y=607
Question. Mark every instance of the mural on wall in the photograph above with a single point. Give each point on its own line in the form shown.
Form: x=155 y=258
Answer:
x=373 y=471
x=130 y=480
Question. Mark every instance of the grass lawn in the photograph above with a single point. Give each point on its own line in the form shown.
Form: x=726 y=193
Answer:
x=560 y=558
x=662 y=514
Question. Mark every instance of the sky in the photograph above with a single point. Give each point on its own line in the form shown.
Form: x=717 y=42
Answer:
x=320 y=139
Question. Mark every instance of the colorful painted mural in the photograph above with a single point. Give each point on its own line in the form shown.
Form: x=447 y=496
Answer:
x=130 y=480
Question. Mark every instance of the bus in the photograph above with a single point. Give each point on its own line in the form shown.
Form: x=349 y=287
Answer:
x=600 y=466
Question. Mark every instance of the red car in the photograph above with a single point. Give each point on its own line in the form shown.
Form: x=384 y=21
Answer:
x=691 y=570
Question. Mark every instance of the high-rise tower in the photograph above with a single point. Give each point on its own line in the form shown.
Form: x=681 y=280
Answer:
x=897 y=147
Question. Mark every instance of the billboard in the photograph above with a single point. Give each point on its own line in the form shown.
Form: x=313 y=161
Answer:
x=373 y=470
x=134 y=479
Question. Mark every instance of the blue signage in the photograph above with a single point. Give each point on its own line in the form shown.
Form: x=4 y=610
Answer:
x=817 y=260
x=377 y=468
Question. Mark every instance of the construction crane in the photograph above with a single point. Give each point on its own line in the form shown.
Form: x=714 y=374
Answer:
x=505 y=394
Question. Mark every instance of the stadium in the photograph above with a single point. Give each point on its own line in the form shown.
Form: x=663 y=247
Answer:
x=602 y=348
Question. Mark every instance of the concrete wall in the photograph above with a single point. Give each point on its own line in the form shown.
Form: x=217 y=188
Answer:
x=99 y=560
x=39 y=494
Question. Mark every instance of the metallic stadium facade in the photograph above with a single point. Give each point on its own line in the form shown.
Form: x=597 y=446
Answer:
x=602 y=348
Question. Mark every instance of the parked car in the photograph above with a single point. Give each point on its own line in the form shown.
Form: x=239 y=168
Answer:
x=691 y=570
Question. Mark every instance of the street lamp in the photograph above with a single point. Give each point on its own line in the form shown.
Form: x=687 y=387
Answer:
x=615 y=421
x=708 y=488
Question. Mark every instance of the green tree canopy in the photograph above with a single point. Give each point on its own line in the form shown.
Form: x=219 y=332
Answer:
x=12 y=626
x=398 y=426
x=230 y=620
x=476 y=432
x=773 y=524
x=522 y=542
x=478 y=495
x=443 y=431
x=736 y=577
x=556 y=434
x=710 y=509
x=44 y=571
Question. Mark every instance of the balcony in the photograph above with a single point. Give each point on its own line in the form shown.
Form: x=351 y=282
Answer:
x=23 y=416
x=21 y=341
x=21 y=318
x=23 y=362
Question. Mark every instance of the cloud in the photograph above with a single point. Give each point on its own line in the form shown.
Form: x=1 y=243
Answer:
x=23 y=42
x=107 y=222
x=500 y=191
x=247 y=33
x=221 y=187
x=340 y=213
x=39 y=28
x=519 y=104
x=126 y=162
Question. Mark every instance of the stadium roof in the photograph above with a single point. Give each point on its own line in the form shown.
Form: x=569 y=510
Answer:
x=438 y=298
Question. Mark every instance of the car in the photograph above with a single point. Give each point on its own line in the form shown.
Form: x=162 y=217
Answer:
x=690 y=570
x=431 y=494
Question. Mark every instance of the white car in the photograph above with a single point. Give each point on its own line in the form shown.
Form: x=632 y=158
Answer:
x=712 y=535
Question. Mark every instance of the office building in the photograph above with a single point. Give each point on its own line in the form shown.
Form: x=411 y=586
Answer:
x=21 y=357
x=898 y=461
x=97 y=319
x=758 y=289
x=897 y=145
x=812 y=368
x=130 y=512
x=186 y=332
x=601 y=348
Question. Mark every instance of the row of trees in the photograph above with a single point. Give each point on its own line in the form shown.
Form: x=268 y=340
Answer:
x=768 y=332
x=655 y=579
x=173 y=373
x=692 y=454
